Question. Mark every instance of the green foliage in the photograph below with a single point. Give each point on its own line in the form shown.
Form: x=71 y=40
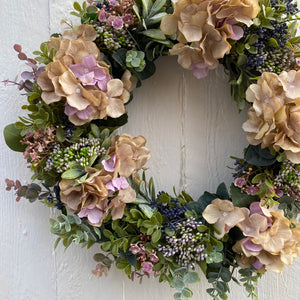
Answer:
x=178 y=279
x=148 y=68
x=41 y=115
x=219 y=280
x=104 y=259
x=241 y=77
x=257 y=156
x=135 y=60
x=199 y=206
x=248 y=278
x=290 y=206
x=240 y=199
x=45 y=55
x=86 y=13
x=32 y=192
x=154 y=42
x=12 y=136
x=70 y=228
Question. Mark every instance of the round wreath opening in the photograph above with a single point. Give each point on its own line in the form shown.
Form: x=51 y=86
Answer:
x=77 y=89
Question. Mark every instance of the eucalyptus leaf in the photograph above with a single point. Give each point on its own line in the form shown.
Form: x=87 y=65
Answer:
x=12 y=137
x=191 y=277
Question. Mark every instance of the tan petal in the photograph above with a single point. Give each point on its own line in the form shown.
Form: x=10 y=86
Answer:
x=211 y=214
x=115 y=108
x=115 y=88
x=168 y=25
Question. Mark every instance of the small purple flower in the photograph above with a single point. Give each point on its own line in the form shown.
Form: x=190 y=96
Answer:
x=93 y=214
x=113 y=3
x=135 y=249
x=116 y=22
x=147 y=267
x=127 y=18
x=89 y=73
x=153 y=258
x=109 y=164
x=239 y=182
x=251 y=190
x=102 y=16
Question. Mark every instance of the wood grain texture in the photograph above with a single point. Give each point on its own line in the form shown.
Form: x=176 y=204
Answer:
x=192 y=128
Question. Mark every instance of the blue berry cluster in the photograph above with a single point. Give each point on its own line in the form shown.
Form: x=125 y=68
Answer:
x=173 y=210
x=240 y=166
x=56 y=198
x=69 y=127
x=290 y=7
x=256 y=61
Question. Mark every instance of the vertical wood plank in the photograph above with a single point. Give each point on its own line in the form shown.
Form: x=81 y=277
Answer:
x=26 y=263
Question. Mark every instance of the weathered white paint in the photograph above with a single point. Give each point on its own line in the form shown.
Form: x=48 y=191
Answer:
x=192 y=128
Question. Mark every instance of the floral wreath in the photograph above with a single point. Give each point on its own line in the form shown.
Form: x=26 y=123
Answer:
x=77 y=89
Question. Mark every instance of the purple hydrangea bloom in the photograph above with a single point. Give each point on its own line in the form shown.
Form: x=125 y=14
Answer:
x=89 y=73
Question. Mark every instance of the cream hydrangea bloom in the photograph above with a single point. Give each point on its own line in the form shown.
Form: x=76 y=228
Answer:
x=272 y=248
x=274 y=118
x=131 y=154
x=224 y=215
x=206 y=26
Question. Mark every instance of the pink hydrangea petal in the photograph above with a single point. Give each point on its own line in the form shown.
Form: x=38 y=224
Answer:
x=69 y=110
x=110 y=188
x=116 y=22
x=109 y=165
x=200 y=70
x=257 y=264
x=255 y=208
x=117 y=183
x=78 y=70
x=147 y=267
x=89 y=62
x=200 y=73
x=249 y=245
x=85 y=114
x=124 y=183
x=27 y=75
x=88 y=78
x=237 y=32
x=95 y=215
x=83 y=213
